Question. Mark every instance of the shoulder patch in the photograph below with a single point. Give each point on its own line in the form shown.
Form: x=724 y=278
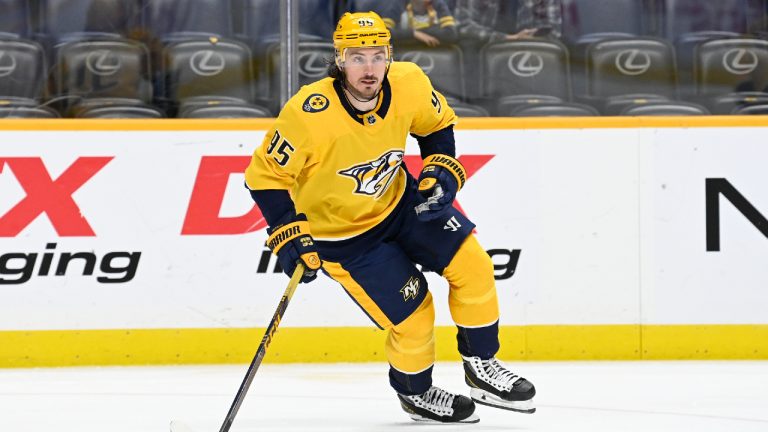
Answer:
x=315 y=103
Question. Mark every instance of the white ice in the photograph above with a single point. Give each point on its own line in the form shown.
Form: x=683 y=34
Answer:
x=572 y=397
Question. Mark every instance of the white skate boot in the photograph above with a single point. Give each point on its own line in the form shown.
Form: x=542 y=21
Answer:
x=439 y=406
x=494 y=385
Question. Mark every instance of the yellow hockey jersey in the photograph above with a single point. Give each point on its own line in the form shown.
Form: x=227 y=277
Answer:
x=345 y=170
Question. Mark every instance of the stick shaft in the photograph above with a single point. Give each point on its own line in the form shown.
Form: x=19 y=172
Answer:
x=265 y=341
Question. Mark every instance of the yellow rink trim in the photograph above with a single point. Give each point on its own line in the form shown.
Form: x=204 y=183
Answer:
x=469 y=123
x=357 y=344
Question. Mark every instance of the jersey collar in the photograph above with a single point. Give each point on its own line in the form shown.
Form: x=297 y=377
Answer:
x=381 y=109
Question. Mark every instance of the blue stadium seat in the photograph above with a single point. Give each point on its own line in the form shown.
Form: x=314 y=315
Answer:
x=385 y=9
x=508 y=104
x=682 y=17
x=37 y=112
x=443 y=64
x=105 y=72
x=665 y=109
x=752 y=110
x=688 y=23
x=15 y=18
x=66 y=20
x=176 y=20
x=623 y=72
x=731 y=73
x=312 y=66
x=258 y=21
x=231 y=110
x=593 y=20
x=120 y=111
x=22 y=71
x=469 y=110
x=205 y=71
x=524 y=69
x=554 y=110
x=589 y=21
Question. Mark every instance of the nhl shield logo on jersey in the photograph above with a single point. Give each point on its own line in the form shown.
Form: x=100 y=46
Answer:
x=374 y=177
x=315 y=103
x=371 y=119
x=411 y=289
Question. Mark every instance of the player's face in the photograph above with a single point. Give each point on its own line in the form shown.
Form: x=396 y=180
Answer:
x=364 y=69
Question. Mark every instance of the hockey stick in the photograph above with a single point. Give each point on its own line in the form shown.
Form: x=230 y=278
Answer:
x=268 y=335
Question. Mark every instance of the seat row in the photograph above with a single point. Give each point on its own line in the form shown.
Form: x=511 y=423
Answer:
x=610 y=76
x=52 y=22
x=195 y=75
x=115 y=77
x=258 y=20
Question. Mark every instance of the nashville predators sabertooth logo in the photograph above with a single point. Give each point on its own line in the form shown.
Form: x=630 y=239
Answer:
x=411 y=289
x=374 y=177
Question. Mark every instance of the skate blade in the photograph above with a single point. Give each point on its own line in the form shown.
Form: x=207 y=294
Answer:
x=485 y=398
x=471 y=419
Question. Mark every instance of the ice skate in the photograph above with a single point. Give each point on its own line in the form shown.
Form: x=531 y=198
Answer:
x=494 y=385
x=439 y=406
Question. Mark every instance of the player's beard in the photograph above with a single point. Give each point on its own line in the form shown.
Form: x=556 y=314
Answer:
x=365 y=90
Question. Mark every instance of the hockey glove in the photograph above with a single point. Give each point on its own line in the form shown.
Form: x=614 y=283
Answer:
x=440 y=179
x=292 y=242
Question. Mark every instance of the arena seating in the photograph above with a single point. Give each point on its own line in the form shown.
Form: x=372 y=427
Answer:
x=226 y=111
x=468 y=110
x=198 y=73
x=621 y=72
x=752 y=110
x=312 y=65
x=589 y=21
x=697 y=53
x=64 y=20
x=258 y=21
x=688 y=23
x=175 y=20
x=682 y=17
x=442 y=64
x=664 y=109
x=586 y=21
x=102 y=72
x=36 y=112
x=524 y=70
x=23 y=71
x=731 y=73
x=15 y=18
x=120 y=111
x=564 y=109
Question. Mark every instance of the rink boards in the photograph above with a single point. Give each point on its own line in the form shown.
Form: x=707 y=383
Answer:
x=133 y=242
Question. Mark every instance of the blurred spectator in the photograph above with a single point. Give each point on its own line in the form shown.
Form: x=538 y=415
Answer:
x=478 y=19
x=541 y=17
x=431 y=21
x=427 y=21
x=709 y=15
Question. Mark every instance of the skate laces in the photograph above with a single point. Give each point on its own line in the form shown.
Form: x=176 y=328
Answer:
x=436 y=400
x=497 y=373
x=502 y=373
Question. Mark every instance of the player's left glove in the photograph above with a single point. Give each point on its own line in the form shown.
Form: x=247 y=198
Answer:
x=292 y=242
x=440 y=179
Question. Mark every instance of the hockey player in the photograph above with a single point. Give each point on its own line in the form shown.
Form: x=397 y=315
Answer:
x=330 y=181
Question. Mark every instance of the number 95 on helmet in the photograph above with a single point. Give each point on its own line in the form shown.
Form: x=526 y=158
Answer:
x=360 y=30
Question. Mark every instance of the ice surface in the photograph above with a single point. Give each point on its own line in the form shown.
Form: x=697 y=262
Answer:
x=572 y=397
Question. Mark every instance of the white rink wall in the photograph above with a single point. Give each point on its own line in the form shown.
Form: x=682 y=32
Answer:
x=610 y=225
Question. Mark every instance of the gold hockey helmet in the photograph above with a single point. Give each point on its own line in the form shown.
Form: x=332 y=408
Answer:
x=360 y=30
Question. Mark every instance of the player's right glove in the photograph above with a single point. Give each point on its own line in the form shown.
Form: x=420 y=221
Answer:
x=292 y=242
x=440 y=179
